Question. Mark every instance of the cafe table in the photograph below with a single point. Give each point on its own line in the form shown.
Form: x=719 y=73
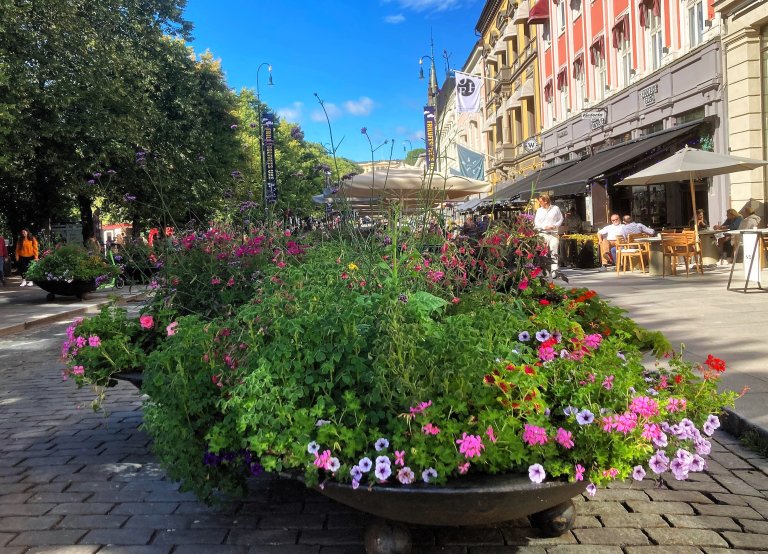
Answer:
x=656 y=256
x=710 y=255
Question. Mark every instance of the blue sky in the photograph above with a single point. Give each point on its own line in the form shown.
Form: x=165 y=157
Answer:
x=360 y=57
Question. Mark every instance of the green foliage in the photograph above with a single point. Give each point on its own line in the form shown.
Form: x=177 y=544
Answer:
x=70 y=263
x=413 y=155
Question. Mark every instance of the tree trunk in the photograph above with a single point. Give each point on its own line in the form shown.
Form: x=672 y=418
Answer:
x=86 y=216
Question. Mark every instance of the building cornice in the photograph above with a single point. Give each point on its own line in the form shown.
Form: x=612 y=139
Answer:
x=488 y=15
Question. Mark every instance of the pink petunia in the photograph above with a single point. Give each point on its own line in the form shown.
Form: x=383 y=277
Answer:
x=146 y=321
x=171 y=328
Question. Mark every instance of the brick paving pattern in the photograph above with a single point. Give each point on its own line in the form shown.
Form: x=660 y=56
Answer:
x=77 y=482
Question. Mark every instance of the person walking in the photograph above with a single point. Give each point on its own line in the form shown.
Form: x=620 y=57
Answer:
x=3 y=259
x=26 y=253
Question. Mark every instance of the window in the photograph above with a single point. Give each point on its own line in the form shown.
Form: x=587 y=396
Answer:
x=624 y=58
x=546 y=33
x=695 y=22
x=563 y=97
x=561 y=21
x=597 y=57
x=575 y=8
x=549 y=115
x=655 y=40
x=580 y=85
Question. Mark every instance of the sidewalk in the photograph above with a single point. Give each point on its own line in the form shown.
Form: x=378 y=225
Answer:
x=26 y=307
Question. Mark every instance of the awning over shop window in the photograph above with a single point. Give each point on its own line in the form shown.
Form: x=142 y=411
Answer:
x=562 y=78
x=539 y=13
x=578 y=65
x=513 y=190
x=548 y=91
x=611 y=158
x=645 y=6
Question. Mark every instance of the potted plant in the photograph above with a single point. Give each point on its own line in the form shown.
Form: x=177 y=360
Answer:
x=375 y=370
x=70 y=271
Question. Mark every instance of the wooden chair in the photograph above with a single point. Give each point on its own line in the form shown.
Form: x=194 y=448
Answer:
x=695 y=247
x=644 y=246
x=626 y=254
x=675 y=246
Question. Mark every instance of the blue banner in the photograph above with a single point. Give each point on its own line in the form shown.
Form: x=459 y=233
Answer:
x=471 y=163
x=270 y=170
x=430 y=138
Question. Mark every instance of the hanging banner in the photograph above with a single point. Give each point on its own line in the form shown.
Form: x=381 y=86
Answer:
x=430 y=138
x=270 y=171
x=467 y=92
x=471 y=163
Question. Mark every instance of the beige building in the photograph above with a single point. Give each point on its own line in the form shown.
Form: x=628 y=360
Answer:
x=745 y=52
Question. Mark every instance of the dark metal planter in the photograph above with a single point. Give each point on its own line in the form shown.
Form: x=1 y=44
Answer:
x=62 y=288
x=474 y=500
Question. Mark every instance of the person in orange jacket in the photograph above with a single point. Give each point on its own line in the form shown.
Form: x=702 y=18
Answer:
x=26 y=252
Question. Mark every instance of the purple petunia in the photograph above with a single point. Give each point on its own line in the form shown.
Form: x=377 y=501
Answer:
x=585 y=417
x=711 y=425
x=536 y=473
x=428 y=474
x=381 y=444
x=658 y=462
x=638 y=473
x=313 y=447
x=365 y=464
x=383 y=472
x=524 y=336
x=356 y=473
x=543 y=335
x=591 y=489
x=405 y=476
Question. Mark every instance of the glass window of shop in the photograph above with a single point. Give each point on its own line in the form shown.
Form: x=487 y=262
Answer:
x=695 y=22
x=599 y=76
x=649 y=205
x=625 y=62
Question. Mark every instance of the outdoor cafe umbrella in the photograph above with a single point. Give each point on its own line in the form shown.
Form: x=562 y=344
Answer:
x=691 y=164
x=412 y=184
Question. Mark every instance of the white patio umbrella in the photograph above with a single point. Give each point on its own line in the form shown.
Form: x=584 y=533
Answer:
x=413 y=184
x=690 y=164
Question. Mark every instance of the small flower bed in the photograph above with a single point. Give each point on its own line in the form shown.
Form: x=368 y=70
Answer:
x=69 y=264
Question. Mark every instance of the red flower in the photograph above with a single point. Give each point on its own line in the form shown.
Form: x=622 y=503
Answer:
x=715 y=363
x=544 y=302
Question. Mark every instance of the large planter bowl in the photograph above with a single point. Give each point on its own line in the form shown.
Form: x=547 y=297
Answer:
x=62 y=288
x=474 y=500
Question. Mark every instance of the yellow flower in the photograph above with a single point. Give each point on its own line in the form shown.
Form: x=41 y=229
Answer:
x=352 y=266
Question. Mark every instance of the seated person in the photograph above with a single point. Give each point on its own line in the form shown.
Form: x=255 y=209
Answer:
x=700 y=219
x=631 y=227
x=572 y=225
x=724 y=243
x=607 y=236
x=750 y=221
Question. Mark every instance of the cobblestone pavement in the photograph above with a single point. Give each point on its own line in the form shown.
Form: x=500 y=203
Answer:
x=77 y=482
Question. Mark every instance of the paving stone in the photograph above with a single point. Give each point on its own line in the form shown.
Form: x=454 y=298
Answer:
x=582 y=549
x=92 y=522
x=685 y=537
x=659 y=507
x=613 y=536
x=20 y=523
x=740 y=512
x=159 y=521
x=718 y=523
x=266 y=536
x=586 y=522
x=748 y=541
x=710 y=550
x=57 y=536
x=665 y=495
x=755 y=526
x=634 y=521
x=6 y=538
x=118 y=536
x=756 y=479
x=190 y=536
x=450 y=536
x=144 y=508
x=736 y=485
x=760 y=505
x=701 y=486
x=293 y=521
x=730 y=460
x=619 y=495
x=147 y=549
x=60 y=549
x=730 y=499
x=599 y=508
x=218 y=549
x=666 y=549
x=82 y=508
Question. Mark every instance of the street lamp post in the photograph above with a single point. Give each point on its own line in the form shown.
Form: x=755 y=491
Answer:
x=261 y=144
x=410 y=145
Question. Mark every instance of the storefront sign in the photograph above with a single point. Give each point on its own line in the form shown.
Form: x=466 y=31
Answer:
x=648 y=94
x=531 y=145
x=597 y=117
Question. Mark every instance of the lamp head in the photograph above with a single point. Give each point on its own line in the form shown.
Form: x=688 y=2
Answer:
x=269 y=68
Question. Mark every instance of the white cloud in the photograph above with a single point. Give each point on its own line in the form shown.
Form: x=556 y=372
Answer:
x=333 y=112
x=291 y=113
x=435 y=5
x=394 y=19
x=363 y=106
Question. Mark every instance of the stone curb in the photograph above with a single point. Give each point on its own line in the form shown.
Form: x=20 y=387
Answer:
x=68 y=315
x=739 y=427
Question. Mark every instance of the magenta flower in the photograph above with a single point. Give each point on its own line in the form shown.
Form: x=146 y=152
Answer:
x=420 y=408
x=400 y=458
x=579 y=476
x=78 y=370
x=94 y=341
x=644 y=406
x=470 y=445
x=464 y=468
x=430 y=429
x=608 y=382
x=564 y=438
x=146 y=321
x=171 y=328
x=491 y=436
x=534 y=435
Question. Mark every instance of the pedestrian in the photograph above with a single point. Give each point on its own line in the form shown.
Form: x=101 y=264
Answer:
x=607 y=236
x=3 y=259
x=547 y=222
x=26 y=253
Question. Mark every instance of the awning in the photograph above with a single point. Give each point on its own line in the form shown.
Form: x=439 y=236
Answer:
x=513 y=191
x=469 y=205
x=539 y=13
x=605 y=160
